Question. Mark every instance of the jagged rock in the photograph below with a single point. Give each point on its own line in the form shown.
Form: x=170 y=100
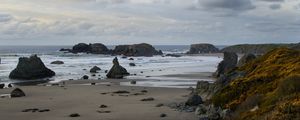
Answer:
x=132 y=64
x=2 y=86
x=194 y=100
x=245 y=59
x=202 y=48
x=173 y=55
x=31 y=68
x=229 y=63
x=57 y=62
x=96 y=48
x=85 y=77
x=142 y=49
x=117 y=71
x=95 y=69
x=17 y=93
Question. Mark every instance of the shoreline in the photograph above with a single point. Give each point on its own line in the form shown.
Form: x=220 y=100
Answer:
x=85 y=100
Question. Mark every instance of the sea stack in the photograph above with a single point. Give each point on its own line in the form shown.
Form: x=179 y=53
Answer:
x=30 y=68
x=142 y=49
x=117 y=71
x=202 y=48
x=229 y=62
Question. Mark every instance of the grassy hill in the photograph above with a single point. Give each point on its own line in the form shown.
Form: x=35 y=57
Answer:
x=269 y=90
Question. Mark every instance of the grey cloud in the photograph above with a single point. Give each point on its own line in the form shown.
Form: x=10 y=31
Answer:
x=275 y=6
x=273 y=0
x=5 y=17
x=235 y=5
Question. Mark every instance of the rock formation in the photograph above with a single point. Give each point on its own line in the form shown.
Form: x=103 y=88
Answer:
x=245 y=59
x=229 y=62
x=31 y=68
x=202 y=48
x=17 y=93
x=57 y=62
x=117 y=71
x=142 y=49
x=95 y=69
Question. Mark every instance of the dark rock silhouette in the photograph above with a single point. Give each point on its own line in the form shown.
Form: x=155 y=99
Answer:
x=57 y=62
x=202 y=48
x=95 y=69
x=117 y=71
x=229 y=62
x=142 y=49
x=31 y=68
x=96 y=48
x=17 y=93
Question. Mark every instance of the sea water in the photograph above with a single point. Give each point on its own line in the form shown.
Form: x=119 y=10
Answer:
x=152 y=70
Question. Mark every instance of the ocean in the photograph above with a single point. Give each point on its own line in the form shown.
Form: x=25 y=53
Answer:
x=153 y=69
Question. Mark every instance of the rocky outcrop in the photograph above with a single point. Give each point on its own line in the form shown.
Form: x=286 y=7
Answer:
x=17 y=93
x=229 y=62
x=202 y=48
x=257 y=48
x=57 y=62
x=245 y=59
x=31 y=68
x=142 y=49
x=117 y=71
x=95 y=48
x=194 y=100
x=95 y=69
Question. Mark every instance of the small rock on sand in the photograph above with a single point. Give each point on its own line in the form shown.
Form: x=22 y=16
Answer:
x=17 y=93
x=100 y=111
x=103 y=106
x=121 y=92
x=163 y=115
x=144 y=91
x=85 y=77
x=159 y=105
x=147 y=99
x=74 y=115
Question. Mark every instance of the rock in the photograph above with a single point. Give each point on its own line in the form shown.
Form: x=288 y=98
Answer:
x=203 y=48
x=130 y=59
x=194 y=100
x=245 y=59
x=163 y=115
x=57 y=62
x=106 y=71
x=44 y=110
x=103 y=106
x=96 y=48
x=2 y=86
x=30 y=68
x=173 y=55
x=85 y=77
x=17 y=93
x=201 y=110
x=103 y=111
x=74 y=115
x=256 y=48
x=229 y=63
x=159 y=105
x=95 y=69
x=10 y=85
x=133 y=82
x=121 y=92
x=147 y=99
x=132 y=64
x=65 y=50
x=93 y=83
x=117 y=71
x=144 y=91
x=142 y=49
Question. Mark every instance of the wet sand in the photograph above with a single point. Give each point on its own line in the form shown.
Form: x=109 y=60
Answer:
x=84 y=99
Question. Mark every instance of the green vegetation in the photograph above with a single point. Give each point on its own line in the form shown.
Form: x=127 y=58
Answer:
x=269 y=90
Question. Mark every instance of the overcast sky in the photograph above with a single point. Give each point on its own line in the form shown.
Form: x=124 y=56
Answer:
x=221 y=22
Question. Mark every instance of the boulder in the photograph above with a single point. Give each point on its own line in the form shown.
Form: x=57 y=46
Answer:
x=95 y=69
x=117 y=71
x=142 y=49
x=202 y=48
x=245 y=59
x=229 y=63
x=194 y=100
x=132 y=64
x=57 y=62
x=2 y=86
x=17 y=93
x=173 y=55
x=81 y=47
x=85 y=77
x=30 y=68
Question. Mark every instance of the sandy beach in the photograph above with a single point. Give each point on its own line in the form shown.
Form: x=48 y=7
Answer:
x=80 y=97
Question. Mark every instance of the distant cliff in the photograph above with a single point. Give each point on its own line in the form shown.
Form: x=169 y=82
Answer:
x=257 y=48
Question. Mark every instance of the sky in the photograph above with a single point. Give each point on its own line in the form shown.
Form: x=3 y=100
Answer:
x=158 y=22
